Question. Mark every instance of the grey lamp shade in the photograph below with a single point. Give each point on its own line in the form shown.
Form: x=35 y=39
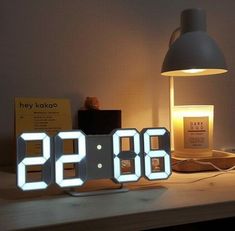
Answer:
x=194 y=52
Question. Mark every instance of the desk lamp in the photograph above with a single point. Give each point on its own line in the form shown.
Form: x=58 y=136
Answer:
x=192 y=52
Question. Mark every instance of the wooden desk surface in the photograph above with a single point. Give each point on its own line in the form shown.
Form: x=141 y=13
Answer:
x=183 y=198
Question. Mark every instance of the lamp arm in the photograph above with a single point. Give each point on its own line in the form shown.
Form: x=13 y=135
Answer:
x=171 y=104
x=175 y=34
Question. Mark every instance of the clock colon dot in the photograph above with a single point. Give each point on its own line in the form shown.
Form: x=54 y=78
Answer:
x=99 y=165
x=99 y=147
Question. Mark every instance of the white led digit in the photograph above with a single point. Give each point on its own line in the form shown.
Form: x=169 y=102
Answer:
x=70 y=158
x=117 y=160
x=30 y=161
x=149 y=154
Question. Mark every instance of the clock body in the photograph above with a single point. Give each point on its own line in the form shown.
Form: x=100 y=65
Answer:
x=147 y=154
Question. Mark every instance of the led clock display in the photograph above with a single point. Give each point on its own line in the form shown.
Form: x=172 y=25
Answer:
x=95 y=157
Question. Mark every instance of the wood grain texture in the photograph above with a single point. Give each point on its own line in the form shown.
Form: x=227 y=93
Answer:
x=223 y=160
x=183 y=198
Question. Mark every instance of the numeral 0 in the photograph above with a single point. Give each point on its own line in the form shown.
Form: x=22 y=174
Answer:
x=135 y=155
x=149 y=153
x=141 y=154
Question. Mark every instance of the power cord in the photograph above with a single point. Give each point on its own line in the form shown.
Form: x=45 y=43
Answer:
x=204 y=163
x=220 y=172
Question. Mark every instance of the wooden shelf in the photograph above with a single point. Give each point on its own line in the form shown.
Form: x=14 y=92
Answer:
x=182 y=199
x=223 y=160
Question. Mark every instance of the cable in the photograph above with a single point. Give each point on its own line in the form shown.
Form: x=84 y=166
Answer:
x=205 y=163
x=220 y=172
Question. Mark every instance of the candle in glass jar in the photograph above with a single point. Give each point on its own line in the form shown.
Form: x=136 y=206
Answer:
x=193 y=130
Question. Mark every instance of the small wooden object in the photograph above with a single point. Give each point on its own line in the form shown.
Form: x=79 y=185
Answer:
x=223 y=160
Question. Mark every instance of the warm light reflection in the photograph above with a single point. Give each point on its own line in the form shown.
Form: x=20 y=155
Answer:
x=193 y=130
x=194 y=72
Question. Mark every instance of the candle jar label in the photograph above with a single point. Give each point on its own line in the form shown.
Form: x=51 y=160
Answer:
x=196 y=132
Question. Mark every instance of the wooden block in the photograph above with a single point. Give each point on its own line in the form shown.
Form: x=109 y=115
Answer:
x=93 y=122
x=223 y=160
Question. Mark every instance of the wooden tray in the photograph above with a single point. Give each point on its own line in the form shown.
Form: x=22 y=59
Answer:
x=223 y=160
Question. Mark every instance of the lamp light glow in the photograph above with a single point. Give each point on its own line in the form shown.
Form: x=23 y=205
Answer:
x=193 y=71
x=192 y=53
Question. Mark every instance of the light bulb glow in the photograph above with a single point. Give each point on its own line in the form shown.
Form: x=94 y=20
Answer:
x=186 y=121
x=193 y=71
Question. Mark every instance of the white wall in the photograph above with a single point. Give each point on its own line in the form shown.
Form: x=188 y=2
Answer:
x=111 y=49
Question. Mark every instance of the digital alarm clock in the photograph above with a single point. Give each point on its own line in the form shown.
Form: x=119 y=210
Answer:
x=94 y=157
